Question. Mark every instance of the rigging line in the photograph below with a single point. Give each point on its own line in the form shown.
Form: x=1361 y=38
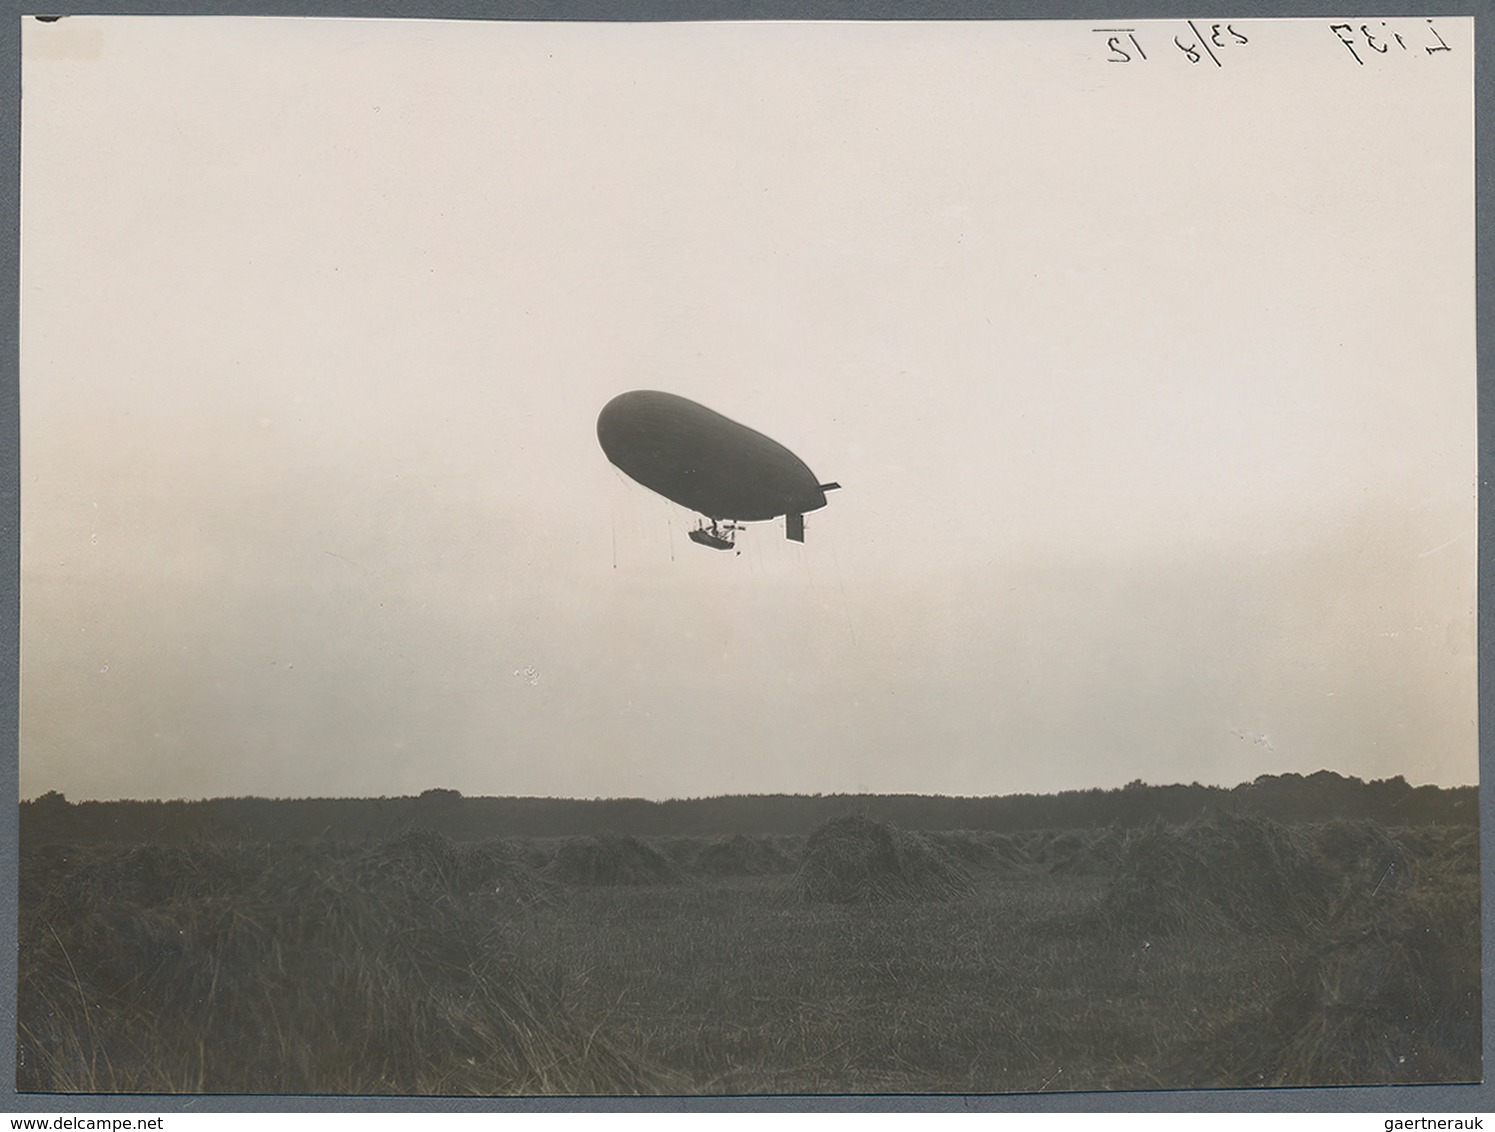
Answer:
x=612 y=523
x=845 y=611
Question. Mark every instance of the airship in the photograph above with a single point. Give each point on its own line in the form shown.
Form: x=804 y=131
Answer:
x=708 y=463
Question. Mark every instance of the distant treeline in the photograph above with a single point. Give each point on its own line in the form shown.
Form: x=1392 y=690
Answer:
x=1323 y=796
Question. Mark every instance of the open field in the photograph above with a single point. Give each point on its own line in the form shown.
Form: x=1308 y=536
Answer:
x=1232 y=951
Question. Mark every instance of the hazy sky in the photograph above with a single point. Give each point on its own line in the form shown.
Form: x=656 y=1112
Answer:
x=1151 y=387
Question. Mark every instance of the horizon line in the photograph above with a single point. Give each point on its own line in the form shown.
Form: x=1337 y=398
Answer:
x=443 y=791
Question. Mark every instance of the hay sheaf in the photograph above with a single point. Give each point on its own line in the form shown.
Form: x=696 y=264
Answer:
x=857 y=859
x=1245 y=873
x=610 y=860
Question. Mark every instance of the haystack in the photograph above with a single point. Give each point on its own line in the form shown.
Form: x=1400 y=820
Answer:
x=857 y=859
x=1388 y=992
x=609 y=860
x=1396 y=980
x=502 y=868
x=1367 y=855
x=418 y=856
x=1228 y=871
x=534 y=852
x=482 y=870
x=981 y=848
x=1006 y=848
x=962 y=845
x=681 y=850
x=741 y=855
x=1086 y=852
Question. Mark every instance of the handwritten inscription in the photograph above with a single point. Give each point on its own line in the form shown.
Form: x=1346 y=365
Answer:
x=1214 y=43
x=1364 y=42
x=1197 y=46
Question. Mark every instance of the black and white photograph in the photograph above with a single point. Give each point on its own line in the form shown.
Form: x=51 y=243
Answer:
x=746 y=558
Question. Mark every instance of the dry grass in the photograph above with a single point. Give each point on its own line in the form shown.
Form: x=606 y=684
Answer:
x=1217 y=953
x=324 y=969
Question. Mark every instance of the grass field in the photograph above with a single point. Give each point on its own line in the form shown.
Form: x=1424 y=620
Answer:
x=1227 y=952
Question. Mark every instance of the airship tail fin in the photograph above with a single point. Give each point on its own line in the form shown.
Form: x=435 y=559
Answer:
x=830 y=487
x=794 y=527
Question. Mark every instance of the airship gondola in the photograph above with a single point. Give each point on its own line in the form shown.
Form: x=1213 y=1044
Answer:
x=708 y=463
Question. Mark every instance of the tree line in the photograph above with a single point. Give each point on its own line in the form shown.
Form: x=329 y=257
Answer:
x=1322 y=796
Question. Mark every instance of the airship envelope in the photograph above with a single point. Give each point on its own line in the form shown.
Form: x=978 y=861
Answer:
x=708 y=463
